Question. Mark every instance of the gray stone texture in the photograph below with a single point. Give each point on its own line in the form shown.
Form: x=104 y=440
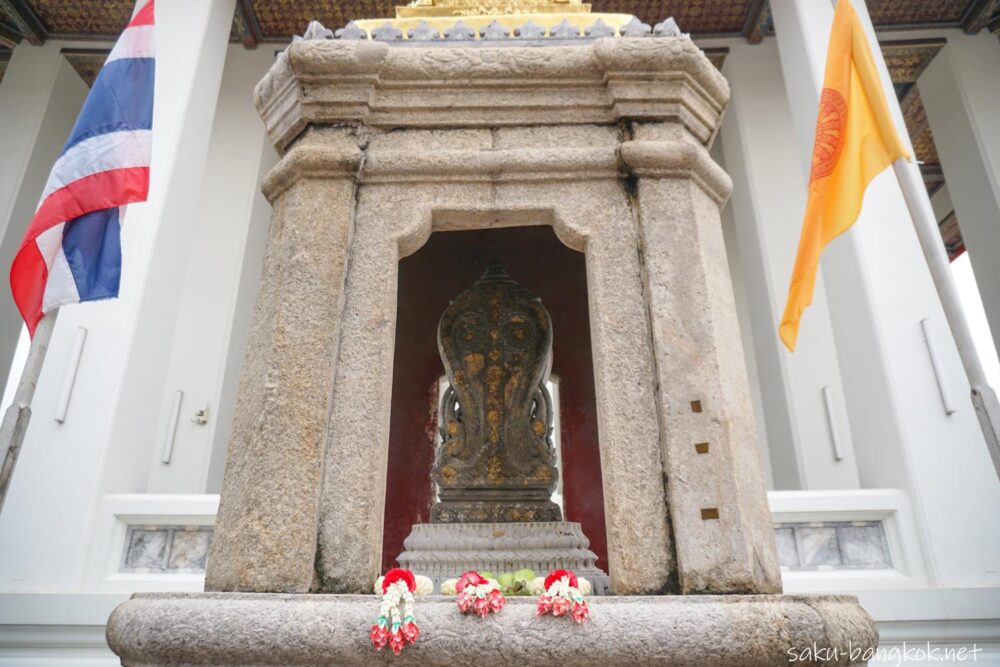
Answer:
x=379 y=85
x=722 y=525
x=229 y=630
x=265 y=532
x=446 y=551
x=412 y=186
x=840 y=545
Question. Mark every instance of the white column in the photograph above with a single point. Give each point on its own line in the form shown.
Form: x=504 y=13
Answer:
x=223 y=264
x=961 y=93
x=64 y=468
x=807 y=451
x=180 y=231
x=879 y=289
x=40 y=98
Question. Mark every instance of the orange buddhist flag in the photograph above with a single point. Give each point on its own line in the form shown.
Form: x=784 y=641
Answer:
x=855 y=141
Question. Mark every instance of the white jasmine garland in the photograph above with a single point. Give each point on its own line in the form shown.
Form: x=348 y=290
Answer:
x=424 y=585
x=536 y=586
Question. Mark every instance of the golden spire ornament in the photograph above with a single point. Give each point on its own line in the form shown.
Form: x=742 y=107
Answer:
x=483 y=18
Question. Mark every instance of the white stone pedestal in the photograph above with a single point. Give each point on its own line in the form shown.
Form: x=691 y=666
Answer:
x=446 y=550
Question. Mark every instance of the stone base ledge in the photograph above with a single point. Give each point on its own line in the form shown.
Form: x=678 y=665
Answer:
x=230 y=629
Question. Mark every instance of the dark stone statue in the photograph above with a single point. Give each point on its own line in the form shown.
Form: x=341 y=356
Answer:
x=496 y=462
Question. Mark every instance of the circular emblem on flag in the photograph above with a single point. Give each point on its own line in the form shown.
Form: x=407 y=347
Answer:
x=831 y=125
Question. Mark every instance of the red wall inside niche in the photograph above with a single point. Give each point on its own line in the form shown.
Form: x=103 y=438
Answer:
x=447 y=264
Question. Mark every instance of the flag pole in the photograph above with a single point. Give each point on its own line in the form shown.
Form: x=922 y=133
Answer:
x=984 y=398
x=18 y=414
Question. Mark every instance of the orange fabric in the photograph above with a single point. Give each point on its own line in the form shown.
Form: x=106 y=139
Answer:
x=855 y=141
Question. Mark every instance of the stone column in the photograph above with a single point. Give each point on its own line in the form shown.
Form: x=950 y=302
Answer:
x=762 y=158
x=265 y=533
x=715 y=487
x=640 y=553
x=961 y=93
x=353 y=487
x=879 y=288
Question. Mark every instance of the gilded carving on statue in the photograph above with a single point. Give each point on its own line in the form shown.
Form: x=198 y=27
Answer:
x=496 y=461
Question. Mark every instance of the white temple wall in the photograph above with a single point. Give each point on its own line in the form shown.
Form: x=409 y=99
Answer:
x=880 y=289
x=961 y=94
x=47 y=521
x=223 y=262
x=40 y=97
x=807 y=450
x=737 y=271
x=174 y=221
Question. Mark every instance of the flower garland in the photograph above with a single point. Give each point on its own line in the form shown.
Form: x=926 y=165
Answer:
x=562 y=595
x=479 y=595
x=395 y=625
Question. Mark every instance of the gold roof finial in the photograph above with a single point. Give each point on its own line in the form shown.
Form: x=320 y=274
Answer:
x=509 y=16
x=461 y=8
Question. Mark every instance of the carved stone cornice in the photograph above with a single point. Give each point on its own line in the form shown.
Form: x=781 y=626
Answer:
x=340 y=158
x=493 y=166
x=346 y=82
x=678 y=159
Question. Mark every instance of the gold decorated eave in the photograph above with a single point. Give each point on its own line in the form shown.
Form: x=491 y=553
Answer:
x=459 y=8
x=510 y=14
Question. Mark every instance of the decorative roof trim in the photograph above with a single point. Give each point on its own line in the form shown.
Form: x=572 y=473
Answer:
x=26 y=21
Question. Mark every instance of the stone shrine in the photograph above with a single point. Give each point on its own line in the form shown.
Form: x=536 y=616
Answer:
x=601 y=133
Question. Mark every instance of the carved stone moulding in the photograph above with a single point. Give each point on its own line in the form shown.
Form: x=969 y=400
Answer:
x=602 y=82
x=445 y=551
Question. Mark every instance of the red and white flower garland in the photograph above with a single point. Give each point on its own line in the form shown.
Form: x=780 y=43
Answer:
x=396 y=625
x=562 y=596
x=479 y=595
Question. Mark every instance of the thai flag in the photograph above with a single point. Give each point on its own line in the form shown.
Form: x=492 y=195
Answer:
x=72 y=249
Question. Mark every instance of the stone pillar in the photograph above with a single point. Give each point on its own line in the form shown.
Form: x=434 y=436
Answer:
x=761 y=157
x=265 y=533
x=961 y=93
x=896 y=414
x=353 y=490
x=715 y=486
x=102 y=447
x=40 y=97
x=641 y=557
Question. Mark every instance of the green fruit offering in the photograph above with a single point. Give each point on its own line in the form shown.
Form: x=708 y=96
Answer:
x=525 y=575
